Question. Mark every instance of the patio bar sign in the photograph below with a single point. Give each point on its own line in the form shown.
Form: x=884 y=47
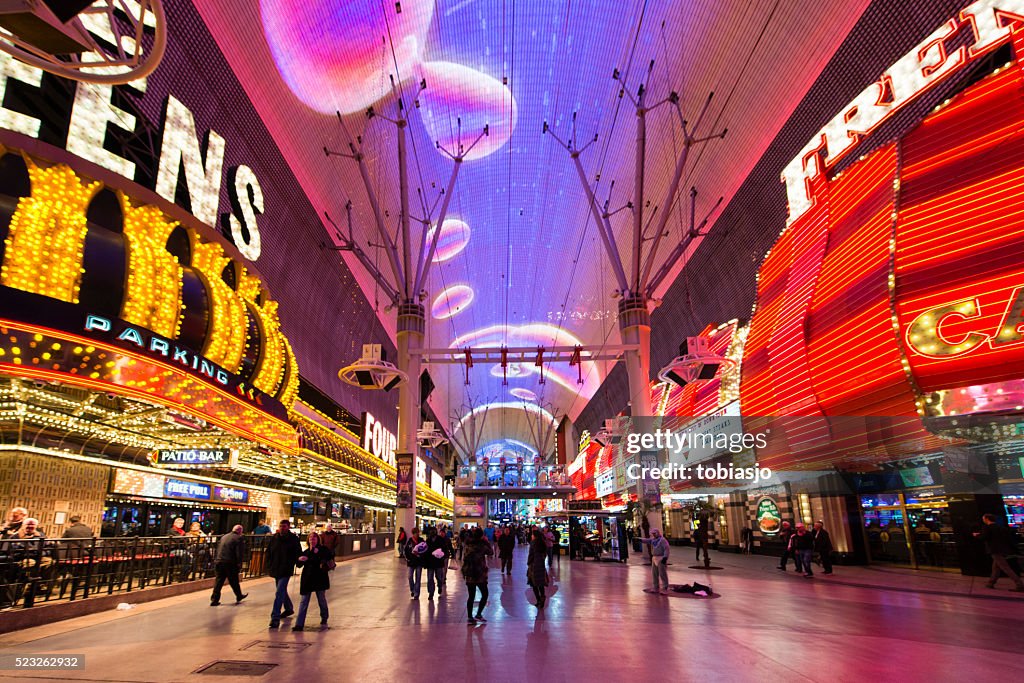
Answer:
x=195 y=457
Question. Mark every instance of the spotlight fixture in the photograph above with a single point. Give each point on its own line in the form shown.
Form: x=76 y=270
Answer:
x=372 y=371
x=695 y=363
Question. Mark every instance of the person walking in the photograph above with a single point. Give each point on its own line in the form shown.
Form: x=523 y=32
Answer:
x=549 y=541
x=1000 y=542
x=747 y=540
x=283 y=550
x=536 y=572
x=700 y=540
x=823 y=546
x=803 y=548
x=474 y=571
x=787 y=551
x=400 y=542
x=463 y=537
x=434 y=560
x=414 y=551
x=506 y=549
x=230 y=555
x=659 y=560
x=556 y=538
x=316 y=561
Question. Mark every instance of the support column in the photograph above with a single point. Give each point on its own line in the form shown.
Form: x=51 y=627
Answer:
x=635 y=326
x=411 y=325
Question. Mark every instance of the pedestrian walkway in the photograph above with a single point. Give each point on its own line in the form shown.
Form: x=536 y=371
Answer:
x=599 y=626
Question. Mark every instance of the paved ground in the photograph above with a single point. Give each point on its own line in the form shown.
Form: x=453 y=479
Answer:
x=600 y=626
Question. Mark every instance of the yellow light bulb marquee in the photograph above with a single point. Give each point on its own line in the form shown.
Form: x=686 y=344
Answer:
x=226 y=340
x=46 y=238
x=153 y=294
x=44 y=255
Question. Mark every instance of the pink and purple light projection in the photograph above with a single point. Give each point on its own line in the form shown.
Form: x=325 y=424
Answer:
x=533 y=335
x=336 y=55
x=451 y=301
x=524 y=394
x=454 y=238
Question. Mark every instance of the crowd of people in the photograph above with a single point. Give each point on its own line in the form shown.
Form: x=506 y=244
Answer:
x=472 y=549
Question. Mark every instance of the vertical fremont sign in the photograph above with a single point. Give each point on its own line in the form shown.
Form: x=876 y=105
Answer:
x=914 y=74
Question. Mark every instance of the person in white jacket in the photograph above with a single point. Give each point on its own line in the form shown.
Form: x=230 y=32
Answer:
x=659 y=560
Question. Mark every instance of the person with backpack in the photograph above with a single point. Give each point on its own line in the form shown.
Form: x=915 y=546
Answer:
x=414 y=551
x=474 y=571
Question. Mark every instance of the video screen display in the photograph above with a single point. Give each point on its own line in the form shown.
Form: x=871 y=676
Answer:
x=916 y=476
x=302 y=508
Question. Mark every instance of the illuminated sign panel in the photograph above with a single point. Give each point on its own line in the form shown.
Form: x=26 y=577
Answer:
x=226 y=494
x=378 y=440
x=195 y=457
x=904 y=278
x=178 y=488
x=915 y=73
x=92 y=115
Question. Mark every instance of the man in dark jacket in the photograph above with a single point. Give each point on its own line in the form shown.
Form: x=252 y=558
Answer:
x=784 y=536
x=999 y=542
x=73 y=550
x=437 y=544
x=506 y=548
x=283 y=549
x=230 y=554
x=803 y=549
x=823 y=546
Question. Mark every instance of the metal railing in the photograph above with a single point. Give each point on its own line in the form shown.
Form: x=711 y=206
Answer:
x=40 y=570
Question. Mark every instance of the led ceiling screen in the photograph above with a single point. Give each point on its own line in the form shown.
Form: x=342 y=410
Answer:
x=519 y=260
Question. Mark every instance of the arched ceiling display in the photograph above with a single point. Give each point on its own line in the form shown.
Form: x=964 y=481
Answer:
x=519 y=262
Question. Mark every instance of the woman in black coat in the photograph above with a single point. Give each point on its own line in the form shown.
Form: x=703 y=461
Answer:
x=316 y=561
x=536 y=571
x=474 y=571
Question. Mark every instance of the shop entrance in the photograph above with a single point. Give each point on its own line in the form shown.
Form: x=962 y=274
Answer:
x=911 y=529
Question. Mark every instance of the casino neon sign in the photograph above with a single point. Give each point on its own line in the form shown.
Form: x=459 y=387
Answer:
x=914 y=74
x=926 y=336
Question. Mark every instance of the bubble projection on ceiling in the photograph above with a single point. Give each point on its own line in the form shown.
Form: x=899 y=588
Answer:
x=519 y=231
x=533 y=335
x=454 y=238
x=451 y=301
x=332 y=56
x=525 y=394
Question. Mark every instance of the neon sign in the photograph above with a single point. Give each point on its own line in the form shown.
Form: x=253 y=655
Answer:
x=145 y=339
x=195 y=457
x=925 y=334
x=914 y=74
x=378 y=440
x=93 y=116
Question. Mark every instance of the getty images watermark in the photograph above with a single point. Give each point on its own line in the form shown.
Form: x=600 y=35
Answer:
x=676 y=443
